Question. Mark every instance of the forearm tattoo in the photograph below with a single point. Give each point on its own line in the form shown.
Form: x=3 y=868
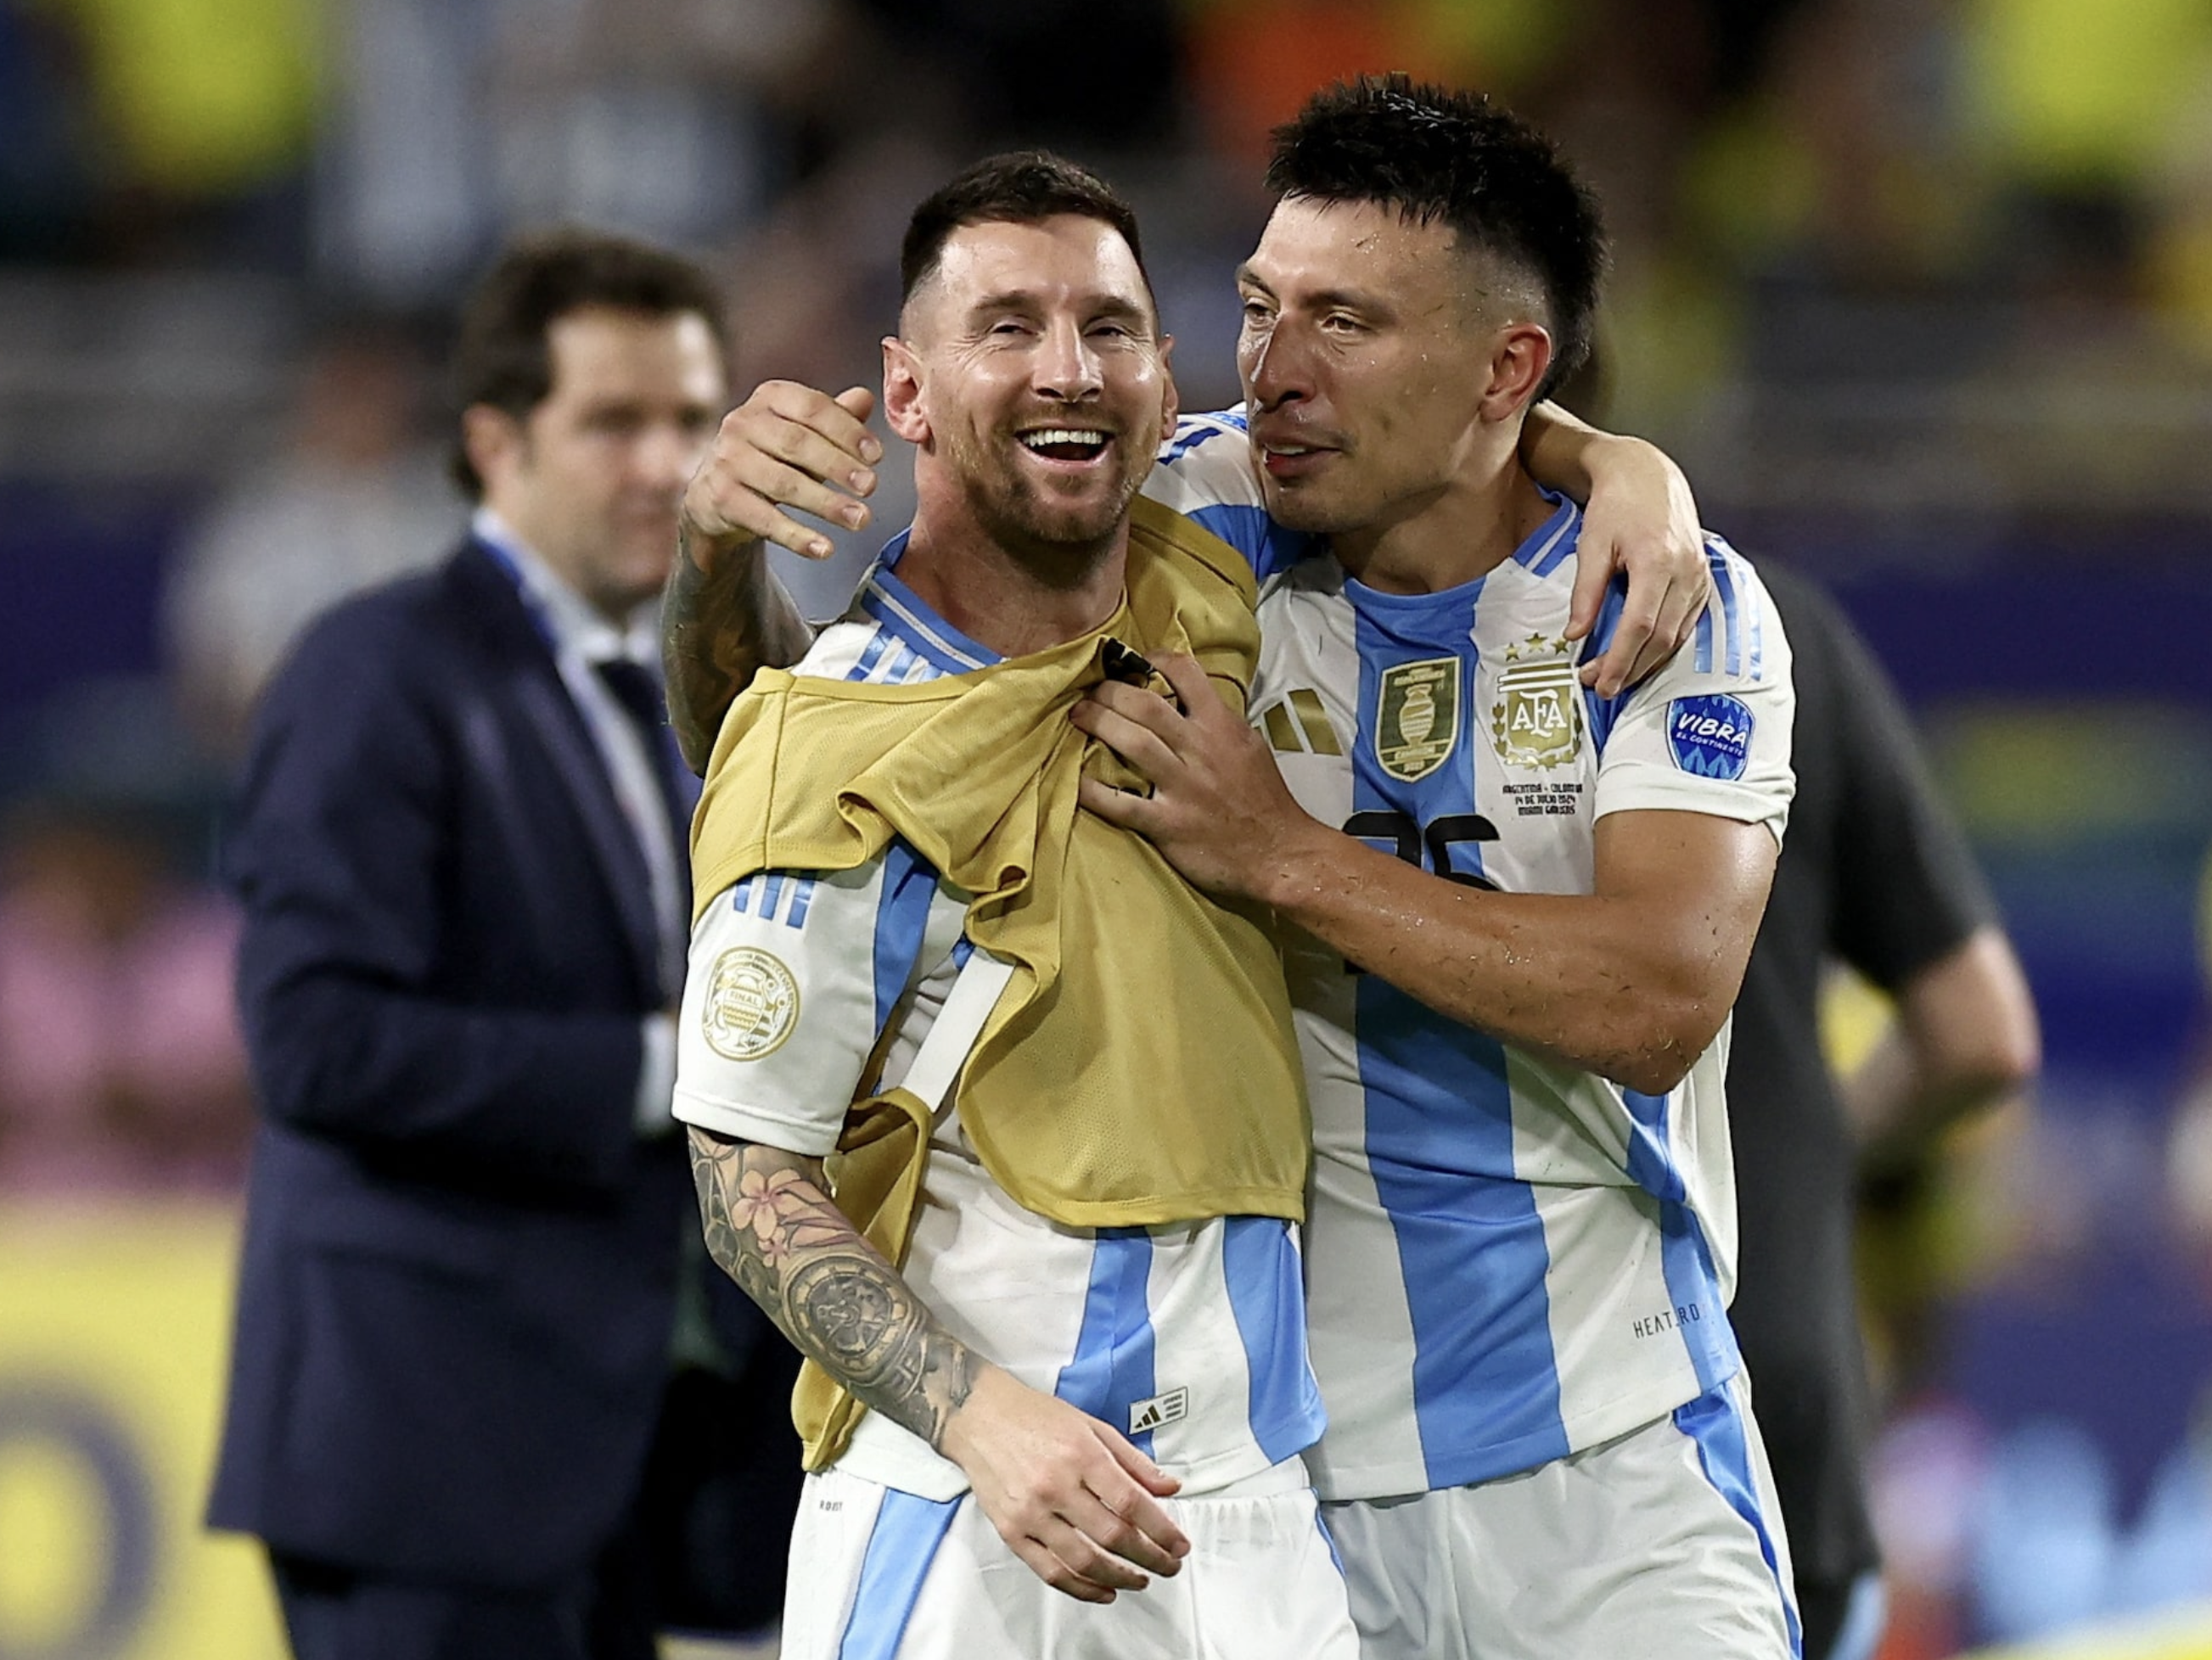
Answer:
x=772 y=1229
x=716 y=631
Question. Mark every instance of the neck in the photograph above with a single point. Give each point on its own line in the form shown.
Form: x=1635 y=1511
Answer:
x=1015 y=600
x=1463 y=529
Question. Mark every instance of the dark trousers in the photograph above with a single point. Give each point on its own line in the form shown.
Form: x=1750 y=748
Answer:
x=333 y=1613
x=702 y=1549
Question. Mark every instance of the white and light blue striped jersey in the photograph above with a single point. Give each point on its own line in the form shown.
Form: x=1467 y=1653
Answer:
x=1508 y=1259
x=1190 y=1339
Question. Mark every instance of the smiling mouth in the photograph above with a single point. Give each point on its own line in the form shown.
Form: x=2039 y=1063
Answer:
x=1065 y=443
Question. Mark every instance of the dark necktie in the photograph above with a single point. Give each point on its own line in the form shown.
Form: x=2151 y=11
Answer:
x=637 y=690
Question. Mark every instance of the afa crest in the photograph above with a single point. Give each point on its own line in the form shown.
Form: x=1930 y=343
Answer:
x=750 y=1006
x=1537 y=720
x=1417 y=717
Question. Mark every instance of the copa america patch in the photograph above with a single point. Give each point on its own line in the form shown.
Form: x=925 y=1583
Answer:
x=1709 y=736
x=750 y=1006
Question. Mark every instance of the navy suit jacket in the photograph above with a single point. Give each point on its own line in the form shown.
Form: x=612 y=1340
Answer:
x=458 y=1283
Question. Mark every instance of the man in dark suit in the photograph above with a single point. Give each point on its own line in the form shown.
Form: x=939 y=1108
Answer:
x=460 y=850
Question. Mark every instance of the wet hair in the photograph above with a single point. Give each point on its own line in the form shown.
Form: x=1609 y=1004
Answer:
x=1019 y=187
x=1440 y=155
x=503 y=354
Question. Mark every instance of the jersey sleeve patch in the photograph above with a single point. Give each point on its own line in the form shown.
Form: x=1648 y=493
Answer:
x=1710 y=735
x=750 y=1006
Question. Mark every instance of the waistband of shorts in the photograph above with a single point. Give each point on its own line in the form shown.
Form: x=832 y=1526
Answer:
x=1288 y=1476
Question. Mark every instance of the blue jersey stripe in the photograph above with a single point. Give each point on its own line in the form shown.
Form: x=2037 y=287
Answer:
x=901 y=1547
x=1716 y=1429
x=1757 y=641
x=1705 y=641
x=902 y=612
x=1650 y=1164
x=1194 y=429
x=802 y=896
x=1265 y=544
x=1699 y=1319
x=1603 y=710
x=872 y=656
x=1439 y=1110
x=1112 y=1367
x=1685 y=1257
x=902 y=917
x=1724 y=590
x=1265 y=1295
x=904 y=615
x=1555 y=538
x=1471 y=1248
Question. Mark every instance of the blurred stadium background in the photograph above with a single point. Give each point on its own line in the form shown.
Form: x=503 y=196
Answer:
x=1919 y=291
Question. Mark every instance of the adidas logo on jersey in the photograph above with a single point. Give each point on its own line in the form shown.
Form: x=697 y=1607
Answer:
x=1299 y=726
x=1158 y=1411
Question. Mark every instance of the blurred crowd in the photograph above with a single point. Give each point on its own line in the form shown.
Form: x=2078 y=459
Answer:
x=1948 y=260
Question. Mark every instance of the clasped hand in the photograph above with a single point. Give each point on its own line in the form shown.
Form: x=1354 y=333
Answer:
x=1218 y=810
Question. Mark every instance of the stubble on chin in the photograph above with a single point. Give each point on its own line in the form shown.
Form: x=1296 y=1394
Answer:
x=1022 y=513
x=1297 y=510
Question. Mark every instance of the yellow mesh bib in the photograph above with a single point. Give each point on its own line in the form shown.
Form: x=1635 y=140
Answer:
x=1141 y=1068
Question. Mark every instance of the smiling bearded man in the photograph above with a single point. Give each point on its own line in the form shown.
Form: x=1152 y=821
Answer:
x=998 y=1119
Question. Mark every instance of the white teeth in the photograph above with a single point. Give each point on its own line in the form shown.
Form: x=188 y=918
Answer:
x=1063 y=435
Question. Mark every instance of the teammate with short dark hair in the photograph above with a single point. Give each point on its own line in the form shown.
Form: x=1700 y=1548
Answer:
x=1517 y=913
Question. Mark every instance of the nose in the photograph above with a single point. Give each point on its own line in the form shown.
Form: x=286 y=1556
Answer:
x=1275 y=369
x=666 y=454
x=1065 y=367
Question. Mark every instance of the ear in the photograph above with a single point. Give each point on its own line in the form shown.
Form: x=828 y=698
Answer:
x=1520 y=357
x=493 y=441
x=1170 y=399
x=903 y=411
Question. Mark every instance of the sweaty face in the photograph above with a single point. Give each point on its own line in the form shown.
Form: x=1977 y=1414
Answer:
x=1035 y=380
x=1363 y=354
x=592 y=476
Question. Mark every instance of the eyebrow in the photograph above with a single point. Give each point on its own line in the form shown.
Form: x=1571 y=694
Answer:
x=1099 y=304
x=1358 y=300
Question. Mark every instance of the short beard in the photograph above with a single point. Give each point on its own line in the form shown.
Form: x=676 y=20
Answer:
x=1060 y=547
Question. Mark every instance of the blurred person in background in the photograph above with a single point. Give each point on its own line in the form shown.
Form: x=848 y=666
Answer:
x=467 y=1305
x=355 y=500
x=121 y=1064
x=1875 y=873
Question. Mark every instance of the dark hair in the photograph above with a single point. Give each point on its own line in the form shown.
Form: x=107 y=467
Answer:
x=1020 y=187
x=502 y=355
x=1435 y=154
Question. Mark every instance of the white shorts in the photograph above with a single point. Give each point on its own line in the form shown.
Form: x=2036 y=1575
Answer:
x=876 y=1572
x=1665 y=1543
